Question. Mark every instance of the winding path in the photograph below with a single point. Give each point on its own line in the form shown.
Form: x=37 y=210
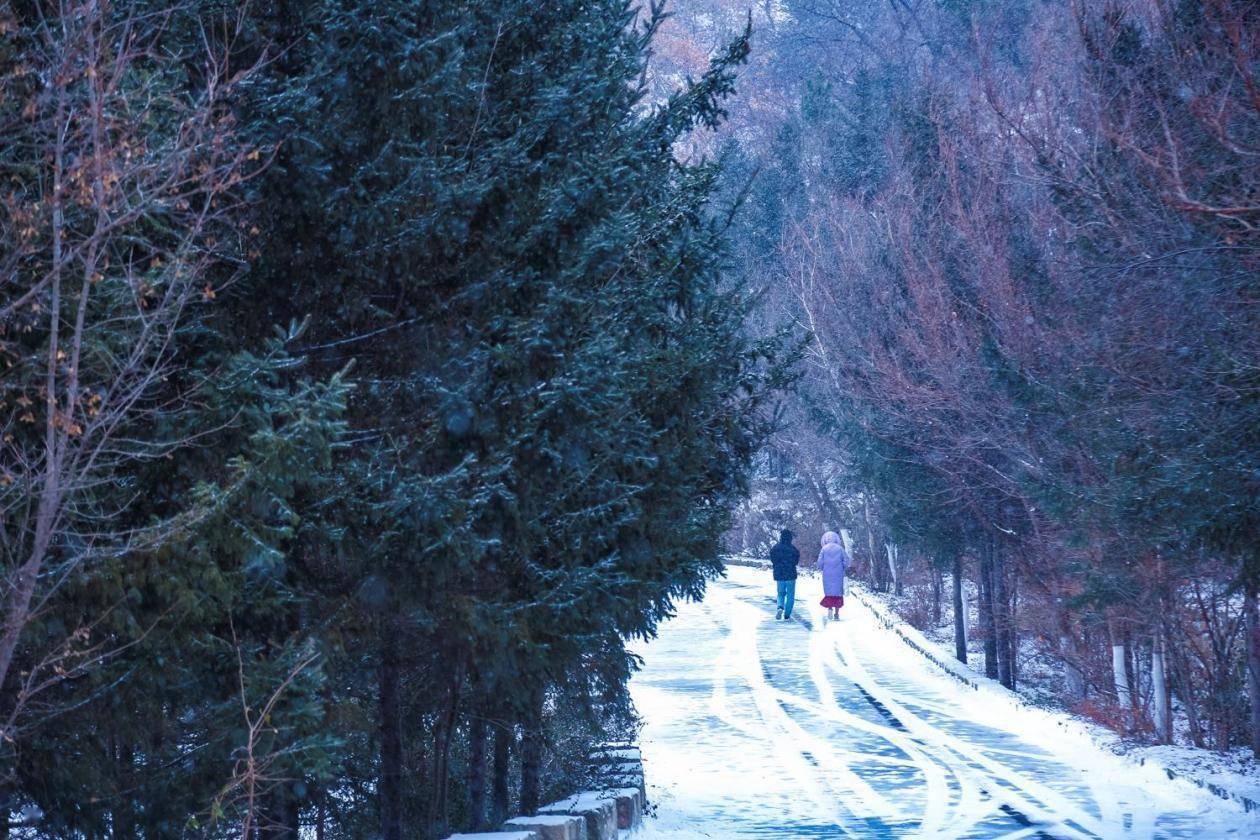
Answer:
x=808 y=728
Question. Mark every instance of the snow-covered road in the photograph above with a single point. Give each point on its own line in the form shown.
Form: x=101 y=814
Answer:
x=807 y=728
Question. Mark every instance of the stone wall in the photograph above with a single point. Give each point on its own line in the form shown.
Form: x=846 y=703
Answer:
x=614 y=806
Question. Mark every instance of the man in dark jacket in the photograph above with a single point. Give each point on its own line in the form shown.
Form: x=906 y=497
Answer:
x=784 y=558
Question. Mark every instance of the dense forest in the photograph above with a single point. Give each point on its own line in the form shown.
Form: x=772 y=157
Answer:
x=369 y=377
x=1023 y=239
x=374 y=371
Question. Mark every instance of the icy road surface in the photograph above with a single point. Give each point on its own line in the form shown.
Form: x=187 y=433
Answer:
x=807 y=728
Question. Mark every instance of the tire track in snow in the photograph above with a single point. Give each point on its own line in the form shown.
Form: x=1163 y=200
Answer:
x=937 y=781
x=985 y=788
x=944 y=815
x=974 y=801
x=843 y=727
x=741 y=659
x=1052 y=810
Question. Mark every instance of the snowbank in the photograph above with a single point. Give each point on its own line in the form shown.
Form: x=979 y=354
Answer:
x=1233 y=776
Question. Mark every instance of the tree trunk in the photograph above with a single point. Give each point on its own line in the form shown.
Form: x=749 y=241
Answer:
x=746 y=537
x=18 y=604
x=1159 y=691
x=818 y=487
x=1251 y=612
x=390 y=784
x=500 y=798
x=960 y=613
x=1133 y=664
x=532 y=754
x=1012 y=625
x=986 y=615
x=1002 y=620
x=477 y=772
x=938 y=584
x=1120 y=674
x=1175 y=657
x=967 y=627
x=445 y=734
x=292 y=820
x=320 y=793
x=22 y=588
x=1073 y=677
x=280 y=816
x=879 y=574
x=893 y=570
x=123 y=820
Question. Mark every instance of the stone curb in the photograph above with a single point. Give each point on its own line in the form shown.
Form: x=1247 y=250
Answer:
x=550 y=826
x=599 y=811
x=588 y=815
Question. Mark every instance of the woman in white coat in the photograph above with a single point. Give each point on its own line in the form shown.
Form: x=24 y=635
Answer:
x=833 y=560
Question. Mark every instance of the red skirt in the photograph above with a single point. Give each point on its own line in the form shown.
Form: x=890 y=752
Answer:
x=833 y=601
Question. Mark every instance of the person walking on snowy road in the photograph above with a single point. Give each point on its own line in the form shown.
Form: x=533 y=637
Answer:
x=784 y=557
x=833 y=560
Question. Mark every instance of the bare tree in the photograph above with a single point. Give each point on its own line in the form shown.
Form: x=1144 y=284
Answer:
x=120 y=214
x=255 y=773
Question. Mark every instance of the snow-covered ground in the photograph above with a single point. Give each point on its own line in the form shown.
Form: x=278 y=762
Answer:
x=807 y=728
x=1232 y=775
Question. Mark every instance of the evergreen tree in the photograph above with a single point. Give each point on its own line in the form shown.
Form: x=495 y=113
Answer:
x=555 y=406
x=501 y=437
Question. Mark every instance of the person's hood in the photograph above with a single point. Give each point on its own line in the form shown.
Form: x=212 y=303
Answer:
x=785 y=536
x=830 y=538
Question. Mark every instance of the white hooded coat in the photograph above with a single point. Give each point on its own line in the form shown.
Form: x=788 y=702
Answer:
x=833 y=560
